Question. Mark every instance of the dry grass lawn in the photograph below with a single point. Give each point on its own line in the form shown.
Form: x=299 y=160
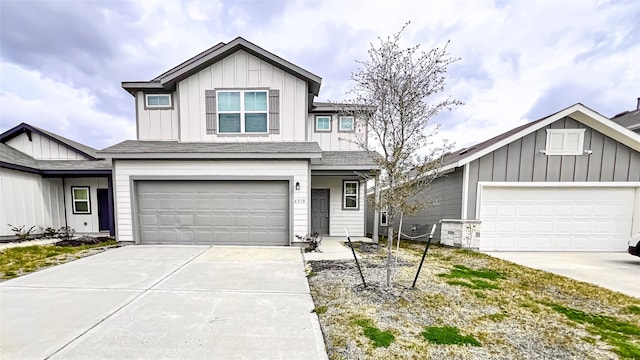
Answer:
x=467 y=305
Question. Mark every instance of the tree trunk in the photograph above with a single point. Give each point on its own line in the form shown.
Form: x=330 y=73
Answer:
x=389 y=246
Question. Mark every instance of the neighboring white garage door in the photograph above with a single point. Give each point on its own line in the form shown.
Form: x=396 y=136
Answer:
x=213 y=212
x=556 y=219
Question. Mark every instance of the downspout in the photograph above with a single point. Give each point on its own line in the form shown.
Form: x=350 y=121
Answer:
x=64 y=203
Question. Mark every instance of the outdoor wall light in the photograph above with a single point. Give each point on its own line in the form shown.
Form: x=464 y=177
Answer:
x=297 y=186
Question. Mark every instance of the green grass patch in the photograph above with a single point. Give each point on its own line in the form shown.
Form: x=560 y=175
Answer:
x=378 y=337
x=473 y=279
x=615 y=332
x=633 y=309
x=497 y=316
x=320 y=309
x=21 y=260
x=448 y=335
x=471 y=253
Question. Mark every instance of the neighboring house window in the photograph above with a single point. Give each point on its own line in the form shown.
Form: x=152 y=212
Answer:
x=350 y=194
x=80 y=200
x=384 y=220
x=158 y=101
x=565 y=142
x=346 y=124
x=242 y=111
x=323 y=123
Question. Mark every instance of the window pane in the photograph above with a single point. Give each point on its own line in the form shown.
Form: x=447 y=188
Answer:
x=80 y=194
x=323 y=123
x=152 y=100
x=82 y=206
x=255 y=123
x=255 y=101
x=228 y=101
x=163 y=100
x=350 y=188
x=350 y=202
x=346 y=123
x=229 y=123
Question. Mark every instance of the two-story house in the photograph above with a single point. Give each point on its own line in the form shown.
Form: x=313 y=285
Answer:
x=232 y=150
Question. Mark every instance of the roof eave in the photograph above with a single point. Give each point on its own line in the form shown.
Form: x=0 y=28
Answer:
x=133 y=86
x=209 y=155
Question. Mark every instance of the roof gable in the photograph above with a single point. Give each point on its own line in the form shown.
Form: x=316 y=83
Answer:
x=25 y=128
x=167 y=80
x=577 y=112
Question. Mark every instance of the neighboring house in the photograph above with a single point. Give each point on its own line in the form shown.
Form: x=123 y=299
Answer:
x=629 y=119
x=47 y=180
x=231 y=149
x=566 y=182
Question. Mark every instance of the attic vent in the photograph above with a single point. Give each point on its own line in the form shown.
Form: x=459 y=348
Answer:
x=464 y=151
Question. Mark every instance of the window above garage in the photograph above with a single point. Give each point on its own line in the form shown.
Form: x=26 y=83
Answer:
x=565 y=142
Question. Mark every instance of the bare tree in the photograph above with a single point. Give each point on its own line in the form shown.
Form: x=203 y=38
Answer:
x=396 y=93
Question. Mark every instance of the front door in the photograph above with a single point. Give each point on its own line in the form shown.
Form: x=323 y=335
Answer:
x=320 y=211
x=103 y=210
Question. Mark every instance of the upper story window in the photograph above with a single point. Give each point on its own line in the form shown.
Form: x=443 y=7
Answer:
x=565 y=142
x=242 y=111
x=323 y=123
x=346 y=124
x=350 y=194
x=80 y=200
x=157 y=101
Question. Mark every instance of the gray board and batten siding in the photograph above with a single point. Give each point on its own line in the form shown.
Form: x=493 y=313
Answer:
x=446 y=190
x=521 y=161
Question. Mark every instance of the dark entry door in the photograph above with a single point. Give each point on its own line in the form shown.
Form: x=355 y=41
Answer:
x=103 y=210
x=320 y=211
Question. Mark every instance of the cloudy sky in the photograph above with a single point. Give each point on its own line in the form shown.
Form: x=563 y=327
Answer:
x=62 y=62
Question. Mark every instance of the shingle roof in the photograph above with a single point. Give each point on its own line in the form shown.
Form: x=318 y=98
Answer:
x=10 y=155
x=344 y=159
x=214 y=150
x=628 y=119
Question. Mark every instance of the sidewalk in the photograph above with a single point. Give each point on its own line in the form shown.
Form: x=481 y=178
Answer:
x=27 y=243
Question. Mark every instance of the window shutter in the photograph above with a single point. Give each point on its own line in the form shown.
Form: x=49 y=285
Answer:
x=210 y=101
x=274 y=111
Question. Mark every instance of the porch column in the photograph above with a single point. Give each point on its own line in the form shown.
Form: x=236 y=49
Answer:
x=376 y=216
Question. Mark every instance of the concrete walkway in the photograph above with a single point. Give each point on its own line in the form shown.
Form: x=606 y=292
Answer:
x=169 y=302
x=614 y=271
x=332 y=248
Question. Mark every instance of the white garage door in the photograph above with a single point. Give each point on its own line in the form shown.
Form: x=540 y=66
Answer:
x=213 y=212
x=556 y=219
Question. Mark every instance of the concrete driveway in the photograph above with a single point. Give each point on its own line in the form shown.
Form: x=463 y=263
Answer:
x=615 y=271
x=164 y=302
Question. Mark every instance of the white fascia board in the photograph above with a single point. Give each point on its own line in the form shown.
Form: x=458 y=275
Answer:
x=187 y=156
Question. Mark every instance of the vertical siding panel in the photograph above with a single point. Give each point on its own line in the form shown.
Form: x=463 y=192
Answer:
x=196 y=128
x=513 y=160
x=608 y=159
x=567 y=168
x=268 y=77
x=554 y=162
x=499 y=165
x=581 y=166
x=241 y=69
x=527 y=157
x=595 y=159
x=621 y=166
x=634 y=166
x=540 y=160
x=228 y=71
x=474 y=175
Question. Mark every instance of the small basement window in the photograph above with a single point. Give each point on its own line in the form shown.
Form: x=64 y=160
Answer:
x=158 y=101
x=346 y=124
x=323 y=124
x=565 y=142
x=350 y=194
x=80 y=200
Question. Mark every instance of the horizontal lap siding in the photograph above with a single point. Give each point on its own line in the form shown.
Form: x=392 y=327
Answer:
x=446 y=191
x=339 y=219
x=521 y=161
x=124 y=170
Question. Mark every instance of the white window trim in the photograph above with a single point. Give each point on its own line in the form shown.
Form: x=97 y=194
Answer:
x=315 y=125
x=353 y=124
x=344 y=194
x=146 y=102
x=565 y=132
x=87 y=200
x=242 y=111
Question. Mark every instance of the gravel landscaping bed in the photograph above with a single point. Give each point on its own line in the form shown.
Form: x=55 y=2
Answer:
x=512 y=312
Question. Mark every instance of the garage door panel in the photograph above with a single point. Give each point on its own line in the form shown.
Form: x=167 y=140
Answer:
x=556 y=219
x=214 y=212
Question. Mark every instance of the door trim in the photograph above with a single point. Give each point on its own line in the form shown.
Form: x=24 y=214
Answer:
x=107 y=216
x=328 y=209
